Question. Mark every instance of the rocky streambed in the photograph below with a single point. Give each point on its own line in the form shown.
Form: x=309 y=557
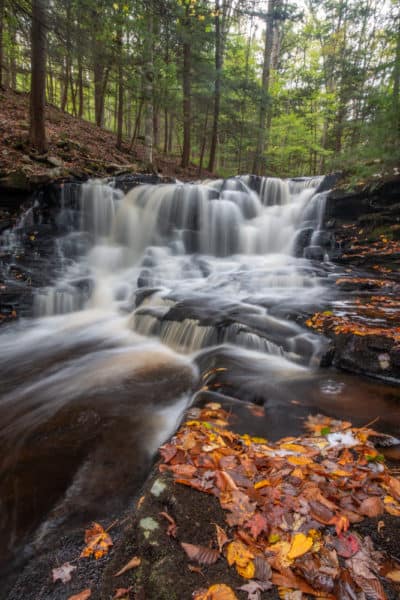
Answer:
x=170 y=317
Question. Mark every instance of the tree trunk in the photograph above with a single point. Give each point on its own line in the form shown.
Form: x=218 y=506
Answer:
x=396 y=85
x=187 y=103
x=259 y=158
x=67 y=72
x=171 y=133
x=217 y=86
x=80 y=87
x=120 y=110
x=1 y=42
x=148 y=88
x=37 y=135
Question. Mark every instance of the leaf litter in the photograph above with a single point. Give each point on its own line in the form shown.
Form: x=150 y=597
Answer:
x=290 y=506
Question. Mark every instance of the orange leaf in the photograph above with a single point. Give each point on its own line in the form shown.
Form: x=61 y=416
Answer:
x=371 y=507
x=238 y=554
x=97 y=542
x=82 y=595
x=218 y=591
x=248 y=571
x=132 y=564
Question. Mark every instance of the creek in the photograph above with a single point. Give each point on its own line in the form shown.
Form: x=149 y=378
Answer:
x=167 y=295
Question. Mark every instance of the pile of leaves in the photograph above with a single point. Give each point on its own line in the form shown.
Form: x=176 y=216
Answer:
x=328 y=322
x=289 y=507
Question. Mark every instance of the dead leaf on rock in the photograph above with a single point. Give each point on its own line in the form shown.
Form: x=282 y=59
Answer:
x=132 y=564
x=63 y=573
x=219 y=591
x=97 y=542
x=84 y=595
x=201 y=554
x=122 y=593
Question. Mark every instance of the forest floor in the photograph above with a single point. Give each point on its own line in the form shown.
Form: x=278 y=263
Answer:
x=77 y=148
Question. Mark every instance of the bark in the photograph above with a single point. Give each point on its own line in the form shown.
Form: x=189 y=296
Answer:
x=67 y=71
x=37 y=135
x=187 y=103
x=396 y=85
x=120 y=110
x=137 y=124
x=171 y=133
x=80 y=87
x=1 y=41
x=217 y=87
x=148 y=89
x=259 y=164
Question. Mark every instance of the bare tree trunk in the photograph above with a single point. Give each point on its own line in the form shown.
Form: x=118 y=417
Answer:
x=37 y=134
x=204 y=142
x=80 y=87
x=259 y=158
x=396 y=85
x=217 y=86
x=171 y=133
x=137 y=124
x=166 y=131
x=1 y=42
x=120 y=110
x=187 y=103
x=148 y=88
x=67 y=72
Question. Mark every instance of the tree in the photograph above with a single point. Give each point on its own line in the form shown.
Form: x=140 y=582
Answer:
x=37 y=134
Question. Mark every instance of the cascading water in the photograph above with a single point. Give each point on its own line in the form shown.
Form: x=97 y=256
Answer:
x=153 y=287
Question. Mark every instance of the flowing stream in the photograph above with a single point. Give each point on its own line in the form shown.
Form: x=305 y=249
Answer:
x=165 y=292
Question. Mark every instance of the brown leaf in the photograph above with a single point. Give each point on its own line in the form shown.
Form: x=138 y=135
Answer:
x=132 y=564
x=201 y=554
x=371 y=507
x=257 y=524
x=171 y=529
x=263 y=570
x=84 y=595
x=222 y=538
x=394 y=485
x=122 y=593
x=97 y=541
x=63 y=573
x=347 y=545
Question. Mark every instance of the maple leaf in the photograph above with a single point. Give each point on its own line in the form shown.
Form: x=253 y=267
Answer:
x=97 y=542
x=63 y=573
x=257 y=524
x=218 y=591
x=201 y=554
x=132 y=564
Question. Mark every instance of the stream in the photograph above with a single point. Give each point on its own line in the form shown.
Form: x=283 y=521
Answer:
x=167 y=295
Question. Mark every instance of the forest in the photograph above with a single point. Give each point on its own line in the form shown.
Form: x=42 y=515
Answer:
x=276 y=87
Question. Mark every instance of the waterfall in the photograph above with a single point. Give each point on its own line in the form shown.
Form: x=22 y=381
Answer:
x=191 y=246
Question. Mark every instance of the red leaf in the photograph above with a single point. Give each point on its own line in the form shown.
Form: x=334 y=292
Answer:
x=347 y=545
x=257 y=524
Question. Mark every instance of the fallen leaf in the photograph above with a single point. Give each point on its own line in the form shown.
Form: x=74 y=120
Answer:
x=171 y=529
x=201 y=554
x=82 y=595
x=257 y=524
x=222 y=538
x=394 y=576
x=97 y=542
x=238 y=554
x=122 y=593
x=300 y=545
x=371 y=507
x=347 y=545
x=132 y=564
x=254 y=589
x=63 y=573
x=218 y=591
x=394 y=485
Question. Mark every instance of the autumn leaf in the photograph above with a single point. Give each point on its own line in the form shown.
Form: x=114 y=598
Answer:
x=84 y=595
x=171 y=529
x=347 y=545
x=371 y=507
x=254 y=589
x=201 y=554
x=257 y=524
x=132 y=564
x=393 y=575
x=299 y=546
x=394 y=486
x=97 y=542
x=122 y=593
x=63 y=573
x=238 y=554
x=217 y=591
x=222 y=538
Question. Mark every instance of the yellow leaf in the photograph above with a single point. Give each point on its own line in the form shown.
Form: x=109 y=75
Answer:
x=394 y=576
x=258 y=440
x=341 y=473
x=294 y=448
x=299 y=460
x=248 y=571
x=261 y=484
x=219 y=591
x=238 y=554
x=300 y=545
x=297 y=473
